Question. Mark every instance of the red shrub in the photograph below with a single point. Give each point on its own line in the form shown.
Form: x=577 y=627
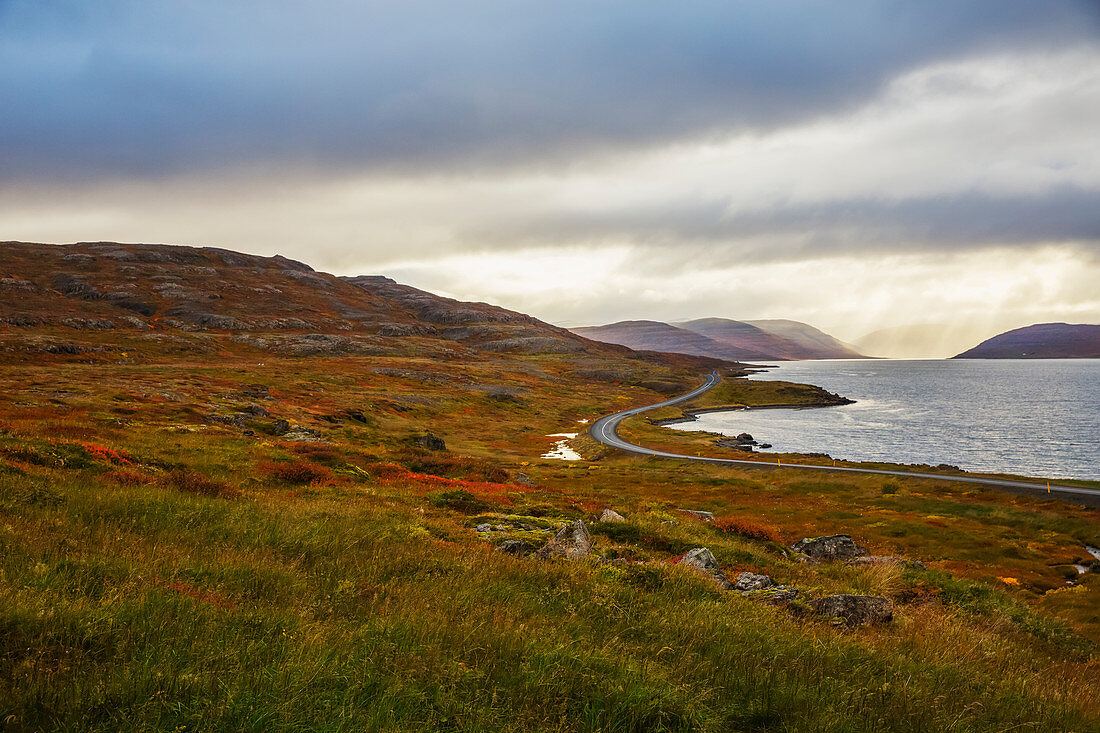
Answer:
x=108 y=455
x=747 y=528
x=298 y=472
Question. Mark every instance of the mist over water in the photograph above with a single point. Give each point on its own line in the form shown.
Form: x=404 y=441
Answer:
x=1028 y=417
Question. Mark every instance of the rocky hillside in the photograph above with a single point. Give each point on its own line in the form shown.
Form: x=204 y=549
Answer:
x=724 y=338
x=1041 y=341
x=68 y=298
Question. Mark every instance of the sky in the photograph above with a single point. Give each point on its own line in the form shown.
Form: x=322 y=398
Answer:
x=856 y=165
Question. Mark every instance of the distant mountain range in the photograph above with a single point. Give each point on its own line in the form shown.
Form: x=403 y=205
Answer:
x=1041 y=341
x=724 y=338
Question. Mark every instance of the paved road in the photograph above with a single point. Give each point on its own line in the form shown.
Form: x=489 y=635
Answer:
x=605 y=430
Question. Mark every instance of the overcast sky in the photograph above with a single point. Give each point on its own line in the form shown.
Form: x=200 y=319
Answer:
x=856 y=164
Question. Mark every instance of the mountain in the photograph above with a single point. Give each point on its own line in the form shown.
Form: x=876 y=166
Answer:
x=780 y=338
x=815 y=341
x=1041 y=341
x=658 y=336
x=922 y=340
x=174 y=298
x=725 y=339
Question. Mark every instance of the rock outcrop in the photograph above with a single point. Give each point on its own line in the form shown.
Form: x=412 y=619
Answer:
x=831 y=548
x=610 y=515
x=702 y=560
x=571 y=542
x=855 y=610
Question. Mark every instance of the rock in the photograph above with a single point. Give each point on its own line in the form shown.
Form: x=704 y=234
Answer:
x=500 y=528
x=734 y=444
x=698 y=514
x=610 y=515
x=751 y=581
x=571 y=542
x=763 y=445
x=302 y=435
x=279 y=426
x=522 y=478
x=485 y=527
x=430 y=442
x=514 y=547
x=855 y=610
x=702 y=561
x=257 y=411
x=830 y=548
x=745 y=438
x=257 y=392
x=888 y=560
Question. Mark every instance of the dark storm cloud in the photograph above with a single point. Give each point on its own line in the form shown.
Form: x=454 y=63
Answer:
x=120 y=88
x=849 y=226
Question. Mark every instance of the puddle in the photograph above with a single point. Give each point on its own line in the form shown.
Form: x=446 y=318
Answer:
x=561 y=450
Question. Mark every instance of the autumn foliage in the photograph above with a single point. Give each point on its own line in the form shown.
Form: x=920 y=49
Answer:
x=747 y=528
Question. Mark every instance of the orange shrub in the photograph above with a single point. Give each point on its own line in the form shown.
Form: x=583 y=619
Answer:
x=195 y=483
x=126 y=477
x=747 y=528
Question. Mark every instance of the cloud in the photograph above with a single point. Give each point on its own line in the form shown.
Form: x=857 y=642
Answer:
x=122 y=89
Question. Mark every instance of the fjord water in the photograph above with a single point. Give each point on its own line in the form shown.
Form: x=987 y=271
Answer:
x=1031 y=417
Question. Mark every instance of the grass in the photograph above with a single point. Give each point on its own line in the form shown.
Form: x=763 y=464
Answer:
x=162 y=572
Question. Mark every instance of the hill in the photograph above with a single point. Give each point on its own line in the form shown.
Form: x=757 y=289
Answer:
x=724 y=338
x=1041 y=341
x=816 y=343
x=779 y=339
x=658 y=336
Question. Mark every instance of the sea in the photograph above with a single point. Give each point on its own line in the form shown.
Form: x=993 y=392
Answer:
x=1029 y=417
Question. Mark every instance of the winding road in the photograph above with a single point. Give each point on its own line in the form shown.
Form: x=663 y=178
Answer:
x=605 y=430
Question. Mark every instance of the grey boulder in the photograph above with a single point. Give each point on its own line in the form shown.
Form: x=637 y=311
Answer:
x=837 y=547
x=571 y=542
x=855 y=610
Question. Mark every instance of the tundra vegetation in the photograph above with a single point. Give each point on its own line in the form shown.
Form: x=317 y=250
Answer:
x=200 y=531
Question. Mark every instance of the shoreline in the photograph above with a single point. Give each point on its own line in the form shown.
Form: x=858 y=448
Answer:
x=692 y=415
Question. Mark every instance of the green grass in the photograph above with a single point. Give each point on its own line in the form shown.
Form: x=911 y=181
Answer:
x=361 y=602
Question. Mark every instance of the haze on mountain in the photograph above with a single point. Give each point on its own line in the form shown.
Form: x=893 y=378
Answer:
x=924 y=340
x=724 y=338
x=847 y=165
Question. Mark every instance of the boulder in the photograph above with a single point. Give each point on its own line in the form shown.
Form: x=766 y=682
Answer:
x=486 y=527
x=571 y=542
x=279 y=426
x=522 y=478
x=698 y=514
x=514 y=547
x=610 y=515
x=837 y=547
x=430 y=441
x=855 y=610
x=751 y=581
x=702 y=561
